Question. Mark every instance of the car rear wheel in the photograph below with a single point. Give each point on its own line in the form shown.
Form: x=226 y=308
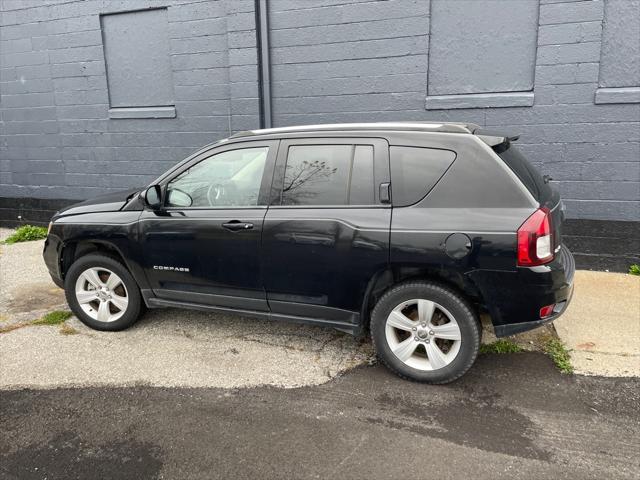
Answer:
x=425 y=332
x=102 y=293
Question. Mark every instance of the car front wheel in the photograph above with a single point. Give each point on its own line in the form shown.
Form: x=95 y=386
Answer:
x=425 y=332
x=102 y=293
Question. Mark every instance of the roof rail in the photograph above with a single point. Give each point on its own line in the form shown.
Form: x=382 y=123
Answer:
x=443 y=127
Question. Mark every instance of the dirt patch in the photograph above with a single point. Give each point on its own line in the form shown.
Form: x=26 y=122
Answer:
x=68 y=330
x=37 y=296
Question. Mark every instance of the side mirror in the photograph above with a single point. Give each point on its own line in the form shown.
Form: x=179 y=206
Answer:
x=153 y=197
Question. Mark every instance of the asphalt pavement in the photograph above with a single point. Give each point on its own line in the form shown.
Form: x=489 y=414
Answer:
x=511 y=416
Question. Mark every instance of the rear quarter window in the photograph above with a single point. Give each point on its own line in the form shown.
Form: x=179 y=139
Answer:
x=415 y=171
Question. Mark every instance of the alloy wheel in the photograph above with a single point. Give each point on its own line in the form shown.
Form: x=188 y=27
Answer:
x=423 y=334
x=101 y=294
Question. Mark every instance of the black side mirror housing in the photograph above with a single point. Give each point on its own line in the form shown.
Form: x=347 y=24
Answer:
x=153 y=197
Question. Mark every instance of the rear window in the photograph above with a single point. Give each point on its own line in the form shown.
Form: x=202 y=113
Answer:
x=415 y=171
x=526 y=172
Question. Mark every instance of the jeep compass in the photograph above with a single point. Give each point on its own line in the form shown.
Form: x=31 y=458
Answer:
x=407 y=231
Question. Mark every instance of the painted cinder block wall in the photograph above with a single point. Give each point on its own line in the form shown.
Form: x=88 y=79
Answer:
x=326 y=69
x=58 y=139
x=563 y=74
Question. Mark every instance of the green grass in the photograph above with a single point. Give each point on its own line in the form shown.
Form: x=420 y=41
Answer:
x=634 y=269
x=53 y=318
x=559 y=354
x=57 y=317
x=501 y=346
x=26 y=233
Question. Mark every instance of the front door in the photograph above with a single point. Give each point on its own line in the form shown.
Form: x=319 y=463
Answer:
x=203 y=247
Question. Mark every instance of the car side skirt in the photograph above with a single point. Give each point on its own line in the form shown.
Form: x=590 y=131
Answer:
x=154 y=302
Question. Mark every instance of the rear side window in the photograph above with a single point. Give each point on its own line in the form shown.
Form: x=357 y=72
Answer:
x=415 y=171
x=526 y=172
x=329 y=175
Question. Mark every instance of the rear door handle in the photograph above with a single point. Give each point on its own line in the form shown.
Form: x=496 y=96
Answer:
x=237 y=225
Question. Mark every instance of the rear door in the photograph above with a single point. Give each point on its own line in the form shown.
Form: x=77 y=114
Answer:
x=327 y=229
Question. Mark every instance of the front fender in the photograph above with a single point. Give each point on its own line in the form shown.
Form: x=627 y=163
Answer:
x=113 y=231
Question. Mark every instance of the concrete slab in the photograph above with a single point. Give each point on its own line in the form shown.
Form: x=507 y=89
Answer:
x=602 y=324
x=173 y=348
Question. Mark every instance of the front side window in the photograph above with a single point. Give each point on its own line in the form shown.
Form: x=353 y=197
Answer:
x=329 y=175
x=227 y=179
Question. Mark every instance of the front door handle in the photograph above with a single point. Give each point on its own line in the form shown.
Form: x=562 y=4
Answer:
x=237 y=225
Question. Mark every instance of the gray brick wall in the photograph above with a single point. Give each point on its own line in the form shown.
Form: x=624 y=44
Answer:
x=332 y=61
x=368 y=61
x=56 y=137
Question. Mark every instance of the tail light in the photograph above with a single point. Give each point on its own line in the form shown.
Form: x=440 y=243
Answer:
x=535 y=239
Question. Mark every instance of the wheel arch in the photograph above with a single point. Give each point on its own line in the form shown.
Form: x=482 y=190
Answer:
x=74 y=250
x=385 y=279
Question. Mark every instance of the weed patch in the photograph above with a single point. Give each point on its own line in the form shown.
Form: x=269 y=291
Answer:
x=501 y=346
x=68 y=330
x=56 y=317
x=27 y=233
x=559 y=354
x=53 y=318
x=634 y=269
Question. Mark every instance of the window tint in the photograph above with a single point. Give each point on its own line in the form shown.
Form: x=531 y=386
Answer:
x=228 y=179
x=415 y=171
x=329 y=175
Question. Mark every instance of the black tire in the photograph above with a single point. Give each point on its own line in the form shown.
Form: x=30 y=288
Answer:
x=458 y=307
x=134 y=306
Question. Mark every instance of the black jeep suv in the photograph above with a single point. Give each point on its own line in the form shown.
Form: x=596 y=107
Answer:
x=407 y=230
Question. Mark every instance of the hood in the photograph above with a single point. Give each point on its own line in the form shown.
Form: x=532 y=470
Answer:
x=111 y=202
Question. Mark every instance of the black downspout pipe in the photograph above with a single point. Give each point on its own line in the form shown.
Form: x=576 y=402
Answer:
x=264 y=63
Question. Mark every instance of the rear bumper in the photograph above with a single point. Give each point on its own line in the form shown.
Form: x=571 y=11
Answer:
x=514 y=299
x=513 y=328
